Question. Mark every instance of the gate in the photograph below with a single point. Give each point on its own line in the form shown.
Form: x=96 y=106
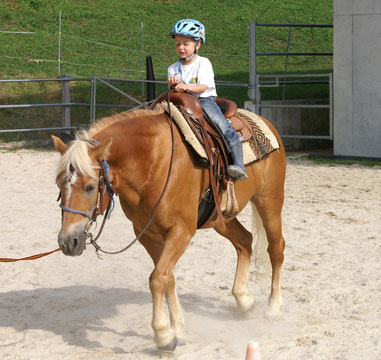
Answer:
x=259 y=81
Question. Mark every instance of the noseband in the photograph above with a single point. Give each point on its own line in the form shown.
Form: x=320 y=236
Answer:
x=87 y=214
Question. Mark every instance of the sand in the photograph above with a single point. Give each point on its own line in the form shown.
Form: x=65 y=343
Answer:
x=60 y=307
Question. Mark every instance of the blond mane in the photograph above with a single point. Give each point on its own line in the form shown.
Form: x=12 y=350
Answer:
x=77 y=155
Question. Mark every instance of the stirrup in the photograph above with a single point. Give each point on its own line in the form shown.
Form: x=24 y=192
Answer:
x=229 y=204
x=236 y=172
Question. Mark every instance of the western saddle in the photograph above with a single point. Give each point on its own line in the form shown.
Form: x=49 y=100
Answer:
x=216 y=149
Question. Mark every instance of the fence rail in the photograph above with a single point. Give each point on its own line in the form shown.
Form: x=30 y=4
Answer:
x=254 y=84
x=66 y=104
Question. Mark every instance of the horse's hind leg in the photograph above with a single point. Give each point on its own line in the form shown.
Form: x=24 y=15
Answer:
x=270 y=211
x=241 y=240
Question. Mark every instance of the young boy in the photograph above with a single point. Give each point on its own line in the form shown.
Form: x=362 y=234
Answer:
x=194 y=73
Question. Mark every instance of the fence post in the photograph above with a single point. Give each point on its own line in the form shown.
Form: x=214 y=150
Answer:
x=330 y=106
x=142 y=55
x=59 y=45
x=258 y=109
x=253 y=60
x=91 y=97
x=150 y=76
x=286 y=65
x=66 y=99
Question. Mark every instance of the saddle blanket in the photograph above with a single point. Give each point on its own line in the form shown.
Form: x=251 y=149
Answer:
x=261 y=144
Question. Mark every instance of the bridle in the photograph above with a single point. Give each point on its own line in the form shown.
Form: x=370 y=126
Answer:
x=104 y=185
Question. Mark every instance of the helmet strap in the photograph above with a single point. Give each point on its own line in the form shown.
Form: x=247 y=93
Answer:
x=189 y=58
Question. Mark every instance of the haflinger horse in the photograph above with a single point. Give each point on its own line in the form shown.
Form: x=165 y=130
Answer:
x=138 y=148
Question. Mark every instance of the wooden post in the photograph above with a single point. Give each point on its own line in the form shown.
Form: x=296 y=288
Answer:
x=150 y=76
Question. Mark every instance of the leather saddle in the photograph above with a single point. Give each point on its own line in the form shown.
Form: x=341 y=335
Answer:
x=228 y=108
x=216 y=149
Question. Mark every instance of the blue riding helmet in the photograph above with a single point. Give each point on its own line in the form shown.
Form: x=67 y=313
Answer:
x=190 y=28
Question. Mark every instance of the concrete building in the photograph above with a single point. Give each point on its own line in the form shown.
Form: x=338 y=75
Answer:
x=357 y=78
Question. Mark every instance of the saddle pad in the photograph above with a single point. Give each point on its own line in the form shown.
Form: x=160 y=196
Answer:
x=261 y=144
x=263 y=141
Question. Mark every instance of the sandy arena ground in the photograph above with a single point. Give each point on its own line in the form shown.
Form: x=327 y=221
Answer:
x=85 y=308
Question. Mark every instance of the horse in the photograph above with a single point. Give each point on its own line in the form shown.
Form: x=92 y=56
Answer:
x=145 y=153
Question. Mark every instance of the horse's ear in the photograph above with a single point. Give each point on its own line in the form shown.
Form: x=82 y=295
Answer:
x=59 y=145
x=102 y=151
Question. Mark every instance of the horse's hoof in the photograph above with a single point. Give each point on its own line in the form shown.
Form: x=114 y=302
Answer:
x=171 y=346
x=180 y=341
x=274 y=308
x=273 y=312
x=245 y=304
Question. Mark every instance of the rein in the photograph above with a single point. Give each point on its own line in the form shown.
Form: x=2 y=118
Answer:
x=105 y=165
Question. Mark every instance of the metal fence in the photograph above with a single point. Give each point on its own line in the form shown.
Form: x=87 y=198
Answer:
x=67 y=104
x=275 y=82
x=254 y=86
x=254 y=53
x=256 y=82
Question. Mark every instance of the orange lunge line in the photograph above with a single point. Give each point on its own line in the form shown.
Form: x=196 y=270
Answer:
x=33 y=257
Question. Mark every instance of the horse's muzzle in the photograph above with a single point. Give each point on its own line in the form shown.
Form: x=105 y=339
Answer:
x=72 y=243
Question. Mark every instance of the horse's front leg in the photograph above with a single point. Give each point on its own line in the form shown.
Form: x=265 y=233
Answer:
x=154 y=249
x=175 y=310
x=162 y=283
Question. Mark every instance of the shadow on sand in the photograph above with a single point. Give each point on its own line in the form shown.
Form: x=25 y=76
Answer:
x=69 y=312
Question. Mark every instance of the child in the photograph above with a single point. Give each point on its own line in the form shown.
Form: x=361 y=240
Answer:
x=195 y=74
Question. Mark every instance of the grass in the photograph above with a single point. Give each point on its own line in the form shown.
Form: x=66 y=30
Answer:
x=118 y=23
x=334 y=161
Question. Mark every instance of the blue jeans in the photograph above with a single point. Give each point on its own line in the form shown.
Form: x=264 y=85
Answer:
x=217 y=117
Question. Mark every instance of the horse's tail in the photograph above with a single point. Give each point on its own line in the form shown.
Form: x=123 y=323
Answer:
x=260 y=257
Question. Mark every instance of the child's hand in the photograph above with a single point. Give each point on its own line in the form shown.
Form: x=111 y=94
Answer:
x=181 y=87
x=173 y=80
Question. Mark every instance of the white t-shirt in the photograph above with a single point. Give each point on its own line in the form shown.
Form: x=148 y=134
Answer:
x=198 y=72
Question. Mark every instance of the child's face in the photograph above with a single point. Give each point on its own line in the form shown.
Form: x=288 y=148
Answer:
x=185 y=46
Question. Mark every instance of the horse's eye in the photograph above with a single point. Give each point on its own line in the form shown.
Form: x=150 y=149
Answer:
x=90 y=188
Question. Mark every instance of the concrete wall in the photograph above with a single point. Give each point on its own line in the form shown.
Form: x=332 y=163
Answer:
x=357 y=78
